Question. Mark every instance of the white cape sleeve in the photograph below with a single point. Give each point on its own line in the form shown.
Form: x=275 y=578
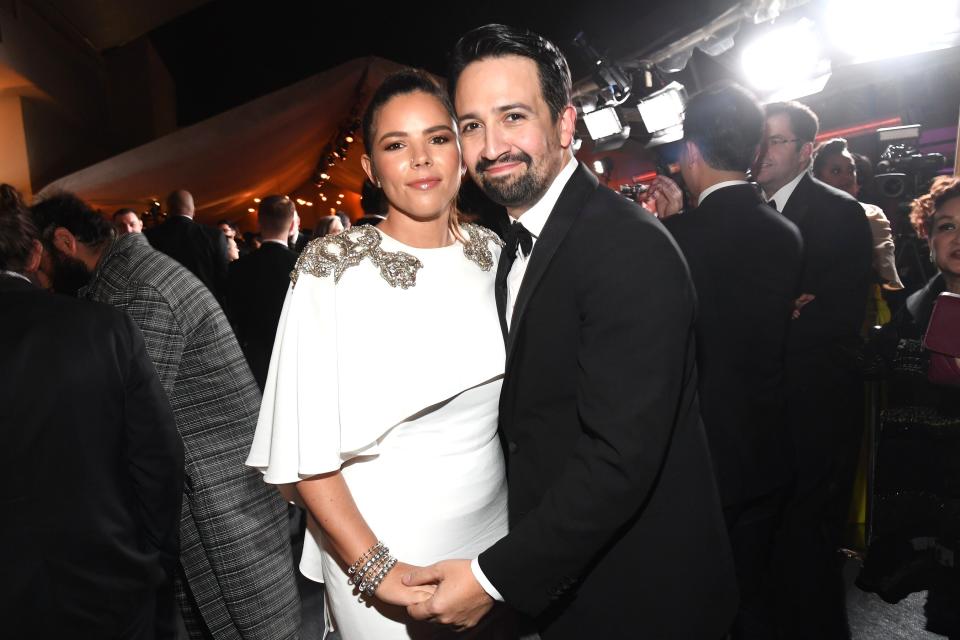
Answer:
x=298 y=431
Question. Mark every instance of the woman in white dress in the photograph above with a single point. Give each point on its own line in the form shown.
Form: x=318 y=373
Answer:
x=391 y=434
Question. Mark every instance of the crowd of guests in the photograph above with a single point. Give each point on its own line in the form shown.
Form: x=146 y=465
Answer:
x=132 y=396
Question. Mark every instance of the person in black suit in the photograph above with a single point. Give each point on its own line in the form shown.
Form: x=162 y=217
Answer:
x=92 y=460
x=824 y=388
x=745 y=260
x=258 y=283
x=201 y=249
x=615 y=523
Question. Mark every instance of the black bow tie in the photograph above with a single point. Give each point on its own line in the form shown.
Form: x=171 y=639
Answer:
x=518 y=236
x=773 y=204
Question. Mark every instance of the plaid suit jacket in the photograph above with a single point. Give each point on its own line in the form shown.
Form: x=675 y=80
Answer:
x=235 y=549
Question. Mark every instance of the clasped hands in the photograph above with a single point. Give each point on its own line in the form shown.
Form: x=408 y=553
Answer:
x=445 y=593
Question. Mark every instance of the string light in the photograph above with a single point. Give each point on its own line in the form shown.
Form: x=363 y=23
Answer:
x=252 y=210
x=256 y=199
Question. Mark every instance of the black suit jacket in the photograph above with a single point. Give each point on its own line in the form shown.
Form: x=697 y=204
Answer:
x=256 y=289
x=93 y=468
x=837 y=269
x=745 y=260
x=615 y=522
x=201 y=249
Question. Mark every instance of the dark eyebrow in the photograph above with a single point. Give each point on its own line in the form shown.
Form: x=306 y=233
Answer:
x=503 y=109
x=404 y=134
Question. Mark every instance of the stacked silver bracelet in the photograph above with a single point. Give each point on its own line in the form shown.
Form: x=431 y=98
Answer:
x=370 y=569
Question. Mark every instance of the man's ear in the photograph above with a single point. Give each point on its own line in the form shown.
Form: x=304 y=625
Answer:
x=692 y=153
x=806 y=152
x=33 y=260
x=568 y=125
x=65 y=242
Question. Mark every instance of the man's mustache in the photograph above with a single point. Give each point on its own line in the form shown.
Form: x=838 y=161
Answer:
x=483 y=164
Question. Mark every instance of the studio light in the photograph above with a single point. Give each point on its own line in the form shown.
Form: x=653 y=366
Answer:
x=786 y=62
x=603 y=123
x=662 y=113
x=869 y=30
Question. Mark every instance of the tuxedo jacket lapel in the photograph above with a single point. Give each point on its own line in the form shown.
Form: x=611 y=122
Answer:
x=500 y=290
x=572 y=199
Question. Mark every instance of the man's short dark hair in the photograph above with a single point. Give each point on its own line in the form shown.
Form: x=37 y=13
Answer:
x=275 y=214
x=73 y=214
x=803 y=121
x=726 y=124
x=17 y=231
x=123 y=212
x=496 y=41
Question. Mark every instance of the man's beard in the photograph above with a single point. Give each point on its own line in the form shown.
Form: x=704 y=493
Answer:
x=69 y=274
x=512 y=191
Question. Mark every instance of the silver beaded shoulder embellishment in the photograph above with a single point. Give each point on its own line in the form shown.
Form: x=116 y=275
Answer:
x=476 y=249
x=335 y=254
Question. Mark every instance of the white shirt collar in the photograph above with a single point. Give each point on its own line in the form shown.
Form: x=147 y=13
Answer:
x=280 y=242
x=717 y=187
x=783 y=194
x=536 y=216
x=14 y=274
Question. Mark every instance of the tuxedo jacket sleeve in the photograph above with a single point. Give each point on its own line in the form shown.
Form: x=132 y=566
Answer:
x=633 y=306
x=837 y=266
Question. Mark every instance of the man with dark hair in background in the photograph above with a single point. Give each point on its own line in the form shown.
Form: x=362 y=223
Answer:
x=258 y=283
x=824 y=387
x=93 y=462
x=127 y=221
x=201 y=249
x=235 y=578
x=615 y=521
x=745 y=260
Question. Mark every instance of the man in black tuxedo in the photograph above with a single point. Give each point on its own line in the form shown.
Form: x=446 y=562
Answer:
x=258 y=283
x=201 y=249
x=93 y=463
x=824 y=389
x=615 y=523
x=745 y=260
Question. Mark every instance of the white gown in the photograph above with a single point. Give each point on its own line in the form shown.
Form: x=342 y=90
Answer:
x=387 y=365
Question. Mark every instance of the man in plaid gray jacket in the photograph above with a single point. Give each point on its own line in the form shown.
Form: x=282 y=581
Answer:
x=235 y=578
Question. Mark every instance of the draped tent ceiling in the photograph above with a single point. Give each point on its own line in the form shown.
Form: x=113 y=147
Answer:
x=269 y=145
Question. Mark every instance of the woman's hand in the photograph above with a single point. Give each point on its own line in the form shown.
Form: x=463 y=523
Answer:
x=393 y=591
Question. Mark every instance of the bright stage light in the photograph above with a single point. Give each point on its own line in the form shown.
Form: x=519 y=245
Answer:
x=663 y=109
x=598 y=167
x=785 y=61
x=602 y=123
x=878 y=29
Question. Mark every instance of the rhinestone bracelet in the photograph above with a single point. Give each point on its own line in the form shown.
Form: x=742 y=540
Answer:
x=369 y=567
x=366 y=554
x=377 y=579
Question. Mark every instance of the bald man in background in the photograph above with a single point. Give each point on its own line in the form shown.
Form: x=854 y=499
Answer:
x=201 y=249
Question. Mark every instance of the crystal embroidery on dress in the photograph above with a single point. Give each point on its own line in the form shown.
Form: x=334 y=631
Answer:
x=335 y=254
x=476 y=250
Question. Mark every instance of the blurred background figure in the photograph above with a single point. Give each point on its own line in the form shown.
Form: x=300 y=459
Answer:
x=835 y=165
x=94 y=463
x=127 y=221
x=258 y=282
x=328 y=226
x=201 y=249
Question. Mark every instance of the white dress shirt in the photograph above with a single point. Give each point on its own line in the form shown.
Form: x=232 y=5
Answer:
x=534 y=220
x=783 y=193
x=717 y=187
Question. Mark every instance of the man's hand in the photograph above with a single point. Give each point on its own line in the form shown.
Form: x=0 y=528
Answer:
x=664 y=198
x=459 y=600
